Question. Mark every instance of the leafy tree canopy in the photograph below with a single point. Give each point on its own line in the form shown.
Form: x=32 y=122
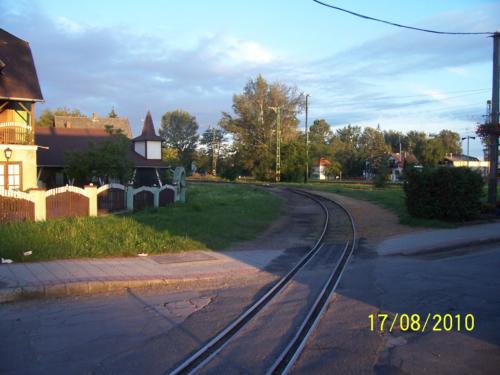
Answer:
x=179 y=130
x=106 y=160
x=253 y=125
x=46 y=118
x=320 y=132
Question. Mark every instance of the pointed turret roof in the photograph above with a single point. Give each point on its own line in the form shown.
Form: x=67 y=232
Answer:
x=148 y=131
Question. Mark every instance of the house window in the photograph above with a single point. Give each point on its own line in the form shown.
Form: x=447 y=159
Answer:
x=10 y=176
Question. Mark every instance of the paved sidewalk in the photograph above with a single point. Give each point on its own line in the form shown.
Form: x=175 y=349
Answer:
x=85 y=276
x=441 y=239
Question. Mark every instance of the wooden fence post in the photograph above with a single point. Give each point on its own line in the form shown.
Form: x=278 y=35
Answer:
x=40 y=203
x=91 y=190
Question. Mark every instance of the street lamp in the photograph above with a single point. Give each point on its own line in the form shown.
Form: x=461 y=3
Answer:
x=307 y=139
x=468 y=156
x=7 y=153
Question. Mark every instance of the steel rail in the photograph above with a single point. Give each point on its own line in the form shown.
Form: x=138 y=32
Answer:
x=293 y=350
x=210 y=349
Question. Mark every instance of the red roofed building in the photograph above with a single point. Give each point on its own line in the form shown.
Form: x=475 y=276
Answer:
x=144 y=152
x=319 y=167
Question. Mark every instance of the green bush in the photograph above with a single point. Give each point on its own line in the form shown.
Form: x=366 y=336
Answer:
x=452 y=194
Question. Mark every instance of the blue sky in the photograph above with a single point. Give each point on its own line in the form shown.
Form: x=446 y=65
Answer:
x=194 y=55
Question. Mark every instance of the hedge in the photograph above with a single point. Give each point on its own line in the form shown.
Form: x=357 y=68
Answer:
x=452 y=194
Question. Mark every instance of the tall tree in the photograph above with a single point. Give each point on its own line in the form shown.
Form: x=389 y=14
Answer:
x=179 y=130
x=396 y=140
x=319 y=139
x=320 y=132
x=416 y=143
x=374 y=149
x=213 y=141
x=432 y=152
x=347 y=150
x=253 y=126
x=373 y=142
x=46 y=118
x=450 y=141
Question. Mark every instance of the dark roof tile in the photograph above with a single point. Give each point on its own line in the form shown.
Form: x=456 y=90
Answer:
x=148 y=131
x=18 y=78
x=93 y=122
x=60 y=140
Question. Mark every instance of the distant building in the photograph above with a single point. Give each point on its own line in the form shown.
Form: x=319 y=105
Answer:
x=19 y=91
x=144 y=152
x=94 y=122
x=458 y=160
x=319 y=167
x=397 y=163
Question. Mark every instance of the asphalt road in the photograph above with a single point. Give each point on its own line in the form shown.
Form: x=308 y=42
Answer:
x=461 y=282
x=145 y=331
x=148 y=332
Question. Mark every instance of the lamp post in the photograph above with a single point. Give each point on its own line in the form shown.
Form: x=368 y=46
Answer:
x=277 y=110
x=307 y=139
x=468 y=156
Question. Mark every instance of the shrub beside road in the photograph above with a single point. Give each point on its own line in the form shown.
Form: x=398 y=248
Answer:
x=213 y=217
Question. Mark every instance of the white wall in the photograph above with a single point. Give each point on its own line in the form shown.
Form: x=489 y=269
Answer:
x=154 y=150
x=140 y=148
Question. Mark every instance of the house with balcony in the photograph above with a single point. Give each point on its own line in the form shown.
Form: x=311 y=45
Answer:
x=19 y=92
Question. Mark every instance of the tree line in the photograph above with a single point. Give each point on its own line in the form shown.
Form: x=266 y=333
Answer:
x=244 y=142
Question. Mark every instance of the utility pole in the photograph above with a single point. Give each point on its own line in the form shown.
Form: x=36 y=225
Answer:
x=278 y=142
x=214 y=157
x=493 y=152
x=307 y=140
x=468 y=156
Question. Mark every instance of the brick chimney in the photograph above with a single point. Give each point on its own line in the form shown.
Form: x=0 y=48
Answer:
x=94 y=116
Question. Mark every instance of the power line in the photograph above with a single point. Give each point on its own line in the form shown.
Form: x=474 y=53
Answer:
x=402 y=26
x=389 y=98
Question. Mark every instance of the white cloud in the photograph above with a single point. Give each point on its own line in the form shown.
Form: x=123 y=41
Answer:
x=459 y=70
x=249 y=52
x=228 y=51
x=434 y=94
x=68 y=26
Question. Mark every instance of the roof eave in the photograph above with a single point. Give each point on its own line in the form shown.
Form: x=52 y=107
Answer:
x=22 y=99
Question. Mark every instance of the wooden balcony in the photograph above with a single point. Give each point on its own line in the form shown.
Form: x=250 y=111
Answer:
x=16 y=133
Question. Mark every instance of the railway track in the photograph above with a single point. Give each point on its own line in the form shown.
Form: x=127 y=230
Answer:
x=269 y=336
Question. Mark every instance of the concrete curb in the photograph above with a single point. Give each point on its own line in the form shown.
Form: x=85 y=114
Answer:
x=442 y=247
x=80 y=288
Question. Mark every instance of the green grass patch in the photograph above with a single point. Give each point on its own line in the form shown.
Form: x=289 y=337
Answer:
x=391 y=197
x=213 y=217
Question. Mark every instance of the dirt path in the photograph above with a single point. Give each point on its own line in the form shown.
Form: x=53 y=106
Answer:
x=298 y=227
x=373 y=223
